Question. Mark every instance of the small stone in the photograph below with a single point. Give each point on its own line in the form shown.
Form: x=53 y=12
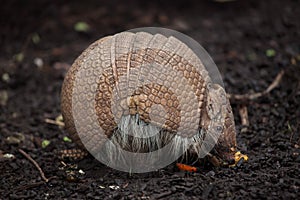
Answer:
x=38 y=62
x=9 y=156
x=5 y=77
x=114 y=187
x=210 y=173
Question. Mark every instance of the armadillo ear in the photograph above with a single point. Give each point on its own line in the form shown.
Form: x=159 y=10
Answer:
x=213 y=107
x=216 y=98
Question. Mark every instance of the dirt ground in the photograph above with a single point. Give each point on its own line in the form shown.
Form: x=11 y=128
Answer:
x=250 y=41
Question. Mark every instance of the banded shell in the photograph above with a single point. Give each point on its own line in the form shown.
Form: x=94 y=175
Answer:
x=142 y=91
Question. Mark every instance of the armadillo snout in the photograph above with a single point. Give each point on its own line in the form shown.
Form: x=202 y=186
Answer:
x=226 y=146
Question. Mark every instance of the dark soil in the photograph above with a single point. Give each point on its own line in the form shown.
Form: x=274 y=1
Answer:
x=250 y=41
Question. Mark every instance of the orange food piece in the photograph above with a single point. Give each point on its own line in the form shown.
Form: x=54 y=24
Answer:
x=188 y=168
x=239 y=158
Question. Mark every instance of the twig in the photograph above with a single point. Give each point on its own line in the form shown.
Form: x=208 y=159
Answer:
x=35 y=164
x=244 y=115
x=274 y=84
x=28 y=186
x=55 y=122
x=243 y=111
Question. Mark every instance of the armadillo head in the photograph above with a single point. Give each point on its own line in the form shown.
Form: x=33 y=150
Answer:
x=226 y=145
x=220 y=124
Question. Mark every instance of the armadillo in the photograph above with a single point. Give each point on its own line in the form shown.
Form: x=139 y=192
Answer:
x=135 y=84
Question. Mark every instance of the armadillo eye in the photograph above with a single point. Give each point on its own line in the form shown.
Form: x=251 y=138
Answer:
x=209 y=86
x=219 y=128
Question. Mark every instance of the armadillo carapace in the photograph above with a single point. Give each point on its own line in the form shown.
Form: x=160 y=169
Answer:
x=142 y=91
